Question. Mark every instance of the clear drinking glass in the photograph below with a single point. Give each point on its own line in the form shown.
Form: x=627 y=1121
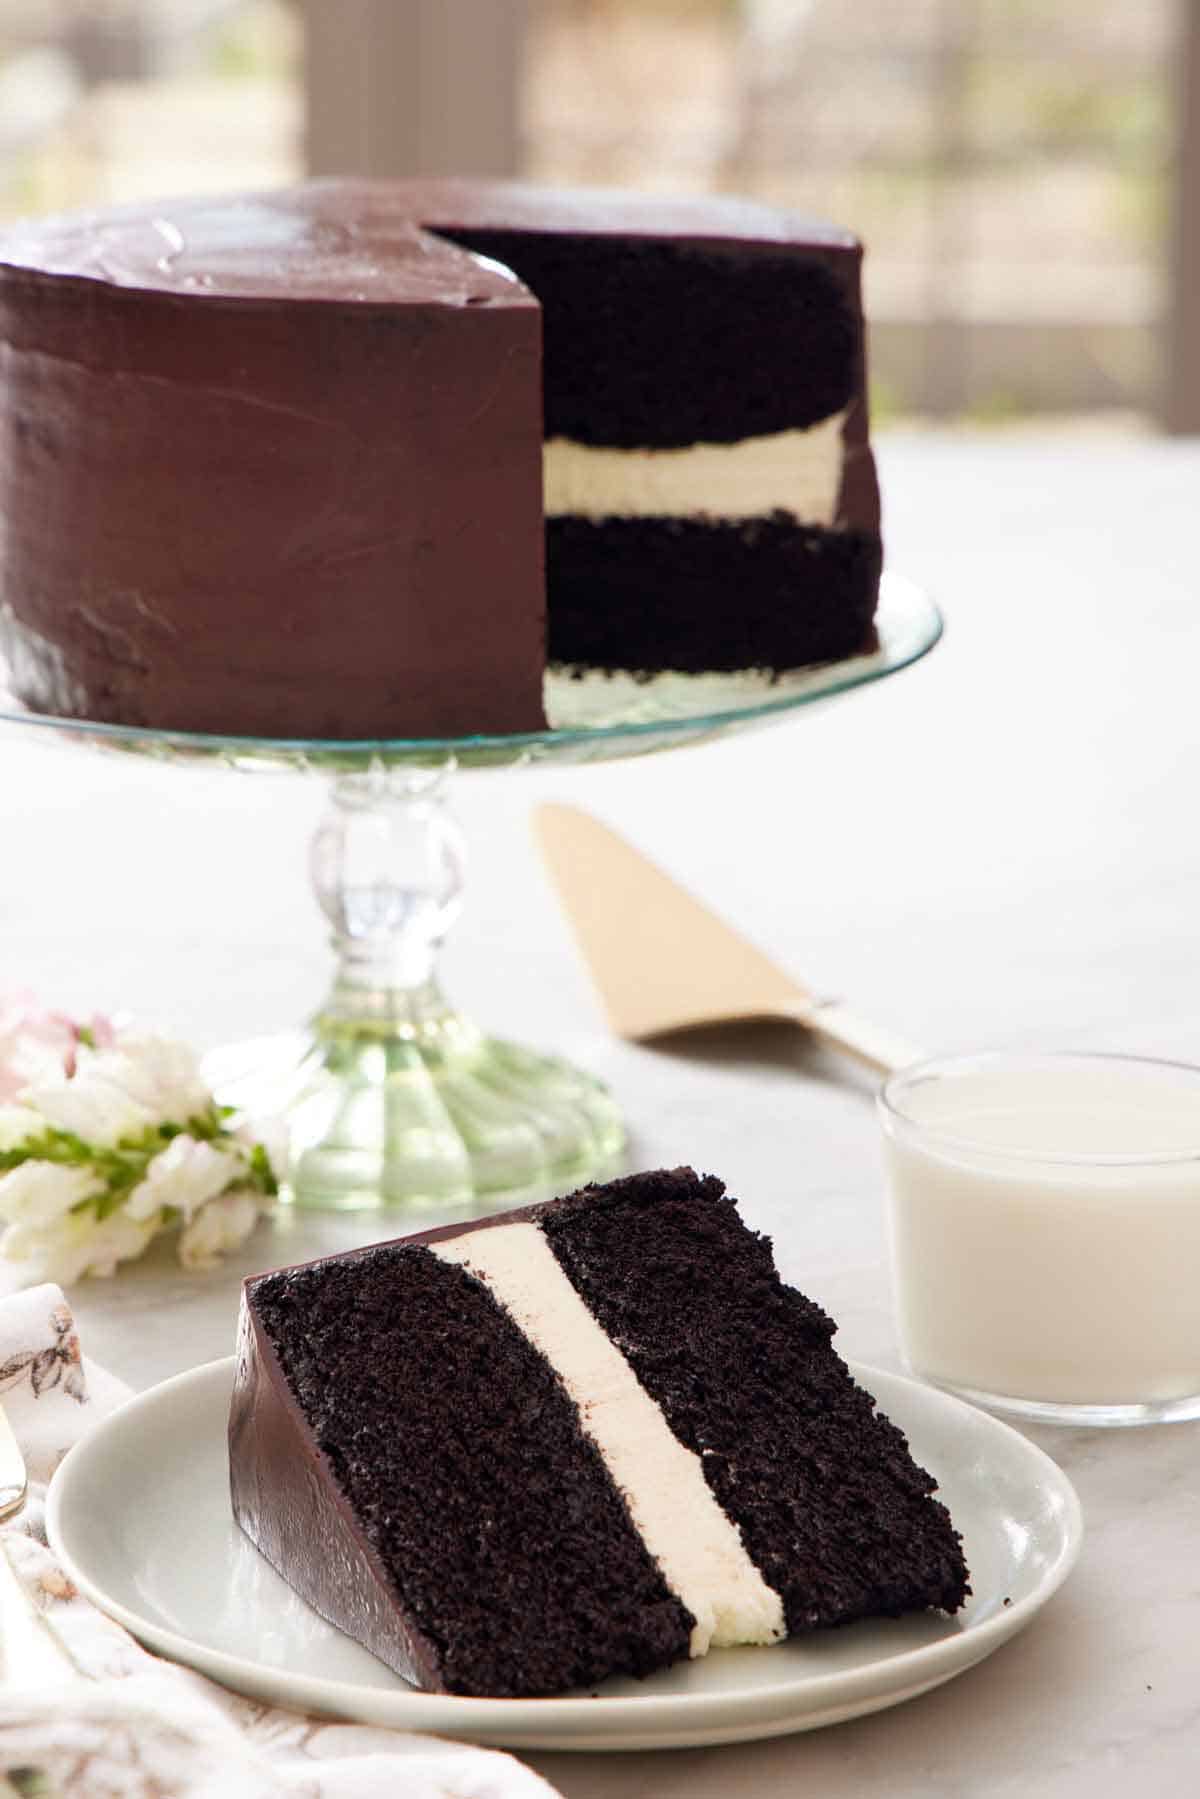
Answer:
x=1045 y=1232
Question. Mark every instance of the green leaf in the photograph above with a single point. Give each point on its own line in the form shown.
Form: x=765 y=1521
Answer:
x=120 y=1168
x=63 y=1148
x=263 y=1175
x=32 y=1783
x=207 y=1126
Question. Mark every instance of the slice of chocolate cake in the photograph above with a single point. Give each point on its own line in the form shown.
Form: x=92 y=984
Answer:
x=588 y=1438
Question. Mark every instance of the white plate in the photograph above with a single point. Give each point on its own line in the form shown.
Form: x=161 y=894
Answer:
x=139 y=1516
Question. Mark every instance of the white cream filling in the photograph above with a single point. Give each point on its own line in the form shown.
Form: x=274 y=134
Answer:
x=790 y=471
x=699 y=1549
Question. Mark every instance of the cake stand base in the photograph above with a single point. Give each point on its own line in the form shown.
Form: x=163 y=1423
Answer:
x=433 y=1118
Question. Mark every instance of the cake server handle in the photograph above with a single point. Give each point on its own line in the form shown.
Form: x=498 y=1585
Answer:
x=869 y=1043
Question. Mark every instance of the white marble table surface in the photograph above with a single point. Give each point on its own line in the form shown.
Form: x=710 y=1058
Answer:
x=997 y=848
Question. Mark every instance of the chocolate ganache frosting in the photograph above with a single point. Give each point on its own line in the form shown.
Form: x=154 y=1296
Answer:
x=272 y=465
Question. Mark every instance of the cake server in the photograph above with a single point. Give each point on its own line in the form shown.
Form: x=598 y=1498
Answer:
x=664 y=963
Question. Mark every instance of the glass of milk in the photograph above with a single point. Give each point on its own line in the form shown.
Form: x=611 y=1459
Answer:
x=1045 y=1232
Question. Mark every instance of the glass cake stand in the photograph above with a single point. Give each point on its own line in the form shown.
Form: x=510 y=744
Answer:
x=393 y=1099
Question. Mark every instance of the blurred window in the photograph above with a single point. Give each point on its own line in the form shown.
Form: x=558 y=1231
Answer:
x=1008 y=163
x=110 y=100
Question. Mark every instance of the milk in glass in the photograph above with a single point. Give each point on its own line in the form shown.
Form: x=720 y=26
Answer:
x=1045 y=1226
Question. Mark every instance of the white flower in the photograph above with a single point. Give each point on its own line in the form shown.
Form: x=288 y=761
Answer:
x=74 y=1245
x=17 y=1125
x=185 y=1176
x=272 y=1133
x=220 y=1225
x=39 y=1247
x=112 y=1089
x=89 y=1107
x=40 y=1192
x=118 y=1239
x=34 y=1045
x=156 y=1072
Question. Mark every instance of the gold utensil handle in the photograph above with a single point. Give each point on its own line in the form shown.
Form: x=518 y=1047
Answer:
x=859 y=1037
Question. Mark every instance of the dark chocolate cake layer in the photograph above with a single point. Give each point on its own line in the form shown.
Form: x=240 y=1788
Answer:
x=761 y=593
x=493 y=1521
x=659 y=345
x=833 y=1510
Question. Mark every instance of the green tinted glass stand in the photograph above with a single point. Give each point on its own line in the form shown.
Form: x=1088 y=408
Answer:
x=393 y=1100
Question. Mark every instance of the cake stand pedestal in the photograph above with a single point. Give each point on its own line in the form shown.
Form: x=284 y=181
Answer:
x=393 y=1100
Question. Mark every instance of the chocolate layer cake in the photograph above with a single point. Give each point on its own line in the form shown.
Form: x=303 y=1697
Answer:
x=589 y=1438
x=274 y=465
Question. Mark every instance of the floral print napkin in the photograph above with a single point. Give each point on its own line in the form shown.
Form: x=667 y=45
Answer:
x=94 y=1714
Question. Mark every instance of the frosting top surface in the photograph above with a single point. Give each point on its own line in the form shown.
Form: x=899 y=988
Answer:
x=368 y=242
x=611 y=212
x=346 y=242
